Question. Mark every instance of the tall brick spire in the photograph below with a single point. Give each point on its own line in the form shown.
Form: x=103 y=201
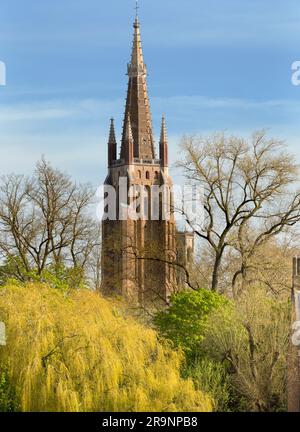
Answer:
x=137 y=103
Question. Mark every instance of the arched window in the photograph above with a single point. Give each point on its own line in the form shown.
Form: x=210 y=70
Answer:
x=156 y=175
x=147 y=175
x=147 y=203
x=139 y=174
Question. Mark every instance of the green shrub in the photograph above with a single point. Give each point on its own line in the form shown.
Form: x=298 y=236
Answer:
x=212 y=378
x=55 y=275
x=184 y=322
x=252 y=340
x=8 y=399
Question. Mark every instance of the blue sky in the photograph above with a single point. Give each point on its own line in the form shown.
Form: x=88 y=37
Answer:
x=213 y=65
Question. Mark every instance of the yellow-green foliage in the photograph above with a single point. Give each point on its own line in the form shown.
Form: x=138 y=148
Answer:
x=77 y=352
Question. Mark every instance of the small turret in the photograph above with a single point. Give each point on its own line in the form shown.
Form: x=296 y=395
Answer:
x=112 y=144
x=163 y=144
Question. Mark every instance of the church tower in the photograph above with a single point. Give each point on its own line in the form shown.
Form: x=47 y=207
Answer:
x=138 y=250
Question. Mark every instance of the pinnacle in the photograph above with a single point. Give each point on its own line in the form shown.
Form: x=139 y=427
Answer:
x=128 y=129
x=163 y=134
x=112 y=135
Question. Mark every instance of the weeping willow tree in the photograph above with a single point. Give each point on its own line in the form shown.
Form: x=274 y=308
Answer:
x=79 y=352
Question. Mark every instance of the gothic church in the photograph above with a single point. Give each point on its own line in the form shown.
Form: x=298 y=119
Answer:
x=138 y=255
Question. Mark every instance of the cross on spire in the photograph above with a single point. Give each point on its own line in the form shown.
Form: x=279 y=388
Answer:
x=136 y=8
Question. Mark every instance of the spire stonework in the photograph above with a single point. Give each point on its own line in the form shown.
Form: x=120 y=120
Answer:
x=137 y=102
x=128 y=142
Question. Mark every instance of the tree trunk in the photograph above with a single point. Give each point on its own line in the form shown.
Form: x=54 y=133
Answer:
x=215 y=275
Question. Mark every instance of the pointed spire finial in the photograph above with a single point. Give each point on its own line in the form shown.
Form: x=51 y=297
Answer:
x=112 y=135
x=163 y=134
x=163 y=143
x=136 y=67
x=112 y=143
x=137 y=9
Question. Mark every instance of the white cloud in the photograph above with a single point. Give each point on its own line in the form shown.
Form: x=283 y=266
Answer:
x=91 y=108
x=73 y=133
x=55 y=109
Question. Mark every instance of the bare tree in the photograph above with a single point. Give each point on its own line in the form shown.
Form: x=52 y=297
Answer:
x=46 y=220
x=251 y=337
x=247 y=188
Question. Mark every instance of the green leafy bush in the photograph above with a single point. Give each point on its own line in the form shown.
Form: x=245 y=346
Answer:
x=8 y=399
x=55 y=275
x=184 y=322
x=212 y=378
